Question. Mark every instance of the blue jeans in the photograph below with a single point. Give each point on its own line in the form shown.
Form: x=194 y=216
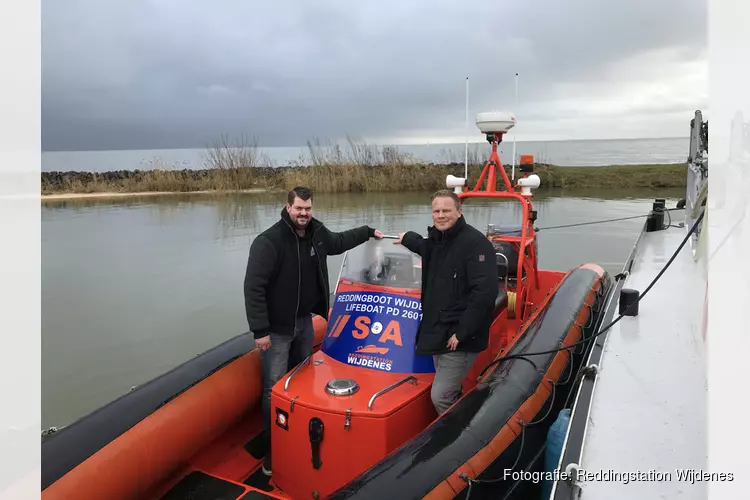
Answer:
x=285 y=353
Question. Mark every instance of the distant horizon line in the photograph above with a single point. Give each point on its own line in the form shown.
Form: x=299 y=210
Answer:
x=373 y=143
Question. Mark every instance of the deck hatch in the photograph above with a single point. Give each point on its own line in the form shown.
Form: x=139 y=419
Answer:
x=342 y=387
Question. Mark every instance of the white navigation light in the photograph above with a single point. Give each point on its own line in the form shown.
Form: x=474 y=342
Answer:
x=497 y=122
x=455 y=182
x=529 y=183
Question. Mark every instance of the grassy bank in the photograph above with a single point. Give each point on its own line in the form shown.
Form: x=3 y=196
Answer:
x=347 y=178
x=362 y=168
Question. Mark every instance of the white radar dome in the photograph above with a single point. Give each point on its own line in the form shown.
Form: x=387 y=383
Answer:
x=495 y=121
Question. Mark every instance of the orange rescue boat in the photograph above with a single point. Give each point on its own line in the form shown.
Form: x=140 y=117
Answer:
x=355 y=419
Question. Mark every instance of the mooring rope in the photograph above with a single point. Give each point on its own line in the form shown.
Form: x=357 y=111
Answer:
x=616 y=320
x=604 y=221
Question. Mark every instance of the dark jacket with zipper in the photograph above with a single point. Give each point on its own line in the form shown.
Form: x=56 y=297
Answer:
x=279 y=261
x=459 y=287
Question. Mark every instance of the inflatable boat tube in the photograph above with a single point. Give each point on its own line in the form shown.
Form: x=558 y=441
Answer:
x=129 y=446
x=480 y=437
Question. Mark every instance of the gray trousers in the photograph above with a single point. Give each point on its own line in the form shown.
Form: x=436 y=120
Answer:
x=285 y=352
x=450 y=370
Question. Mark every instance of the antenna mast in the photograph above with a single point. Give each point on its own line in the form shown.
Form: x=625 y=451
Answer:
x=466 y=126
x=513 y=171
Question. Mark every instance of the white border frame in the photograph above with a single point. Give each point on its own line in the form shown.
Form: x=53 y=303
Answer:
x=728 y=333
x=20 y=249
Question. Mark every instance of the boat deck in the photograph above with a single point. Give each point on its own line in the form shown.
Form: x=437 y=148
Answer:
x=647 y=413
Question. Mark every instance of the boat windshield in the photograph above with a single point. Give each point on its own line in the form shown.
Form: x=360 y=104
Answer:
x=380 y=262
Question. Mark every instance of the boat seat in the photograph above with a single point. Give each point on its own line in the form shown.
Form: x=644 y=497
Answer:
x=509 y=251
x=501 y=302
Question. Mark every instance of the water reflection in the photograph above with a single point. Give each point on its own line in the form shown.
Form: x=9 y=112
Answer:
x=250 y=211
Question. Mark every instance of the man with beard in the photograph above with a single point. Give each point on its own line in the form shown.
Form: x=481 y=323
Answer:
x=286 y=281
x=459 y=288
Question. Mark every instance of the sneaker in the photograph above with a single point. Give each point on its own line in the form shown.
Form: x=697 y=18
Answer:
x=267 y=465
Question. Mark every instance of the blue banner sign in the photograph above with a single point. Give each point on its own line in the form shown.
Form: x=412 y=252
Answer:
x=376 y=330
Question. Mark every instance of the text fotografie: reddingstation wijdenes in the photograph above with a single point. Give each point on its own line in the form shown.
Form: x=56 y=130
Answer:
x=580 y=475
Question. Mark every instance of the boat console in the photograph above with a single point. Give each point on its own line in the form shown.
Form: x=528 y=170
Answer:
x=365 y=388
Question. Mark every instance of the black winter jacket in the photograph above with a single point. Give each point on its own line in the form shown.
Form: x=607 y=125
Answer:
x=273 y=275
x=459 y=287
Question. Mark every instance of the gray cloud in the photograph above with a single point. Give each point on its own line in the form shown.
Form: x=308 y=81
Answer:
x=168 y=73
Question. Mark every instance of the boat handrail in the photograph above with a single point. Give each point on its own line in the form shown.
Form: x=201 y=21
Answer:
x=507 y=268
x=294 y=372
x=411 y=378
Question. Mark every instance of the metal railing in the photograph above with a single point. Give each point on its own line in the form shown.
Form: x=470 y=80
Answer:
x=507 y=267
x=294 y=372
x=410 y=378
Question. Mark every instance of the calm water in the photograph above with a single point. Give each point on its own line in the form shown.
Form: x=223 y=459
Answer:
x=564 y=153
x=131 y=288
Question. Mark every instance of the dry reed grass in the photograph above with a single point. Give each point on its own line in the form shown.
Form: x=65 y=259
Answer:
x=359 y=167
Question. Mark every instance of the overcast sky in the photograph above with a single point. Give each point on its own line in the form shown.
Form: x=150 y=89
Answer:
x=138 y=74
